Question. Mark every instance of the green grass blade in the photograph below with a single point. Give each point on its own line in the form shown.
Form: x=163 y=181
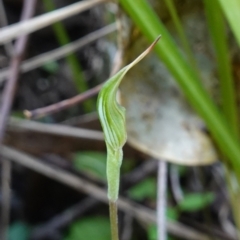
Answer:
x=217 y=29
x=72 y=60
x=178 y=25
x=148 y=22
x=231 y=8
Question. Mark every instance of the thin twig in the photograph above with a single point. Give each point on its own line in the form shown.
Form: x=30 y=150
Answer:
x=63 y=219
x=41 y=112
x=128 y=227
x=161 y=200
x=139 y=173
x=6 y=165
x=19 y=29
x=136 y=210
x=218 y=234
x=7 y=99
x=81 y=119
x=56 y=129
x=9 y=90
x=6 y=198
x=60 y=52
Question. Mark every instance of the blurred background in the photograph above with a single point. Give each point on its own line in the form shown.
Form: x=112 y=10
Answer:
x=53 y=180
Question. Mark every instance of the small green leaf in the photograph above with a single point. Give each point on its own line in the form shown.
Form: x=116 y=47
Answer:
x=112 y=118
x=196 y=201
x=51 y=67
x=92 y=162
x=90 y=229
x=19 y=231
x=152 y=233
x=143 y=190
x=182 y=170
x=17 y=114
x=172 y=213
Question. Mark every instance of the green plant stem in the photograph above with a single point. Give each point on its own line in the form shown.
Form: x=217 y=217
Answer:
x=114 y=219
x=148 y=22
x=72 y=60
x=113 y=120
x=217 y=29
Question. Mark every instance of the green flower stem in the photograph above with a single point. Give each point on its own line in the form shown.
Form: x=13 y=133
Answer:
x=114 y=162
x=112 y=118
x=114 y=220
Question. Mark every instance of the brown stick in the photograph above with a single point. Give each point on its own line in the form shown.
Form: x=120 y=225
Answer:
x=61 y=52
x=62 y=220
x=39 y=22
x=7 y=99
x=9 y=90
x=41 y=112
x=6 y=165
